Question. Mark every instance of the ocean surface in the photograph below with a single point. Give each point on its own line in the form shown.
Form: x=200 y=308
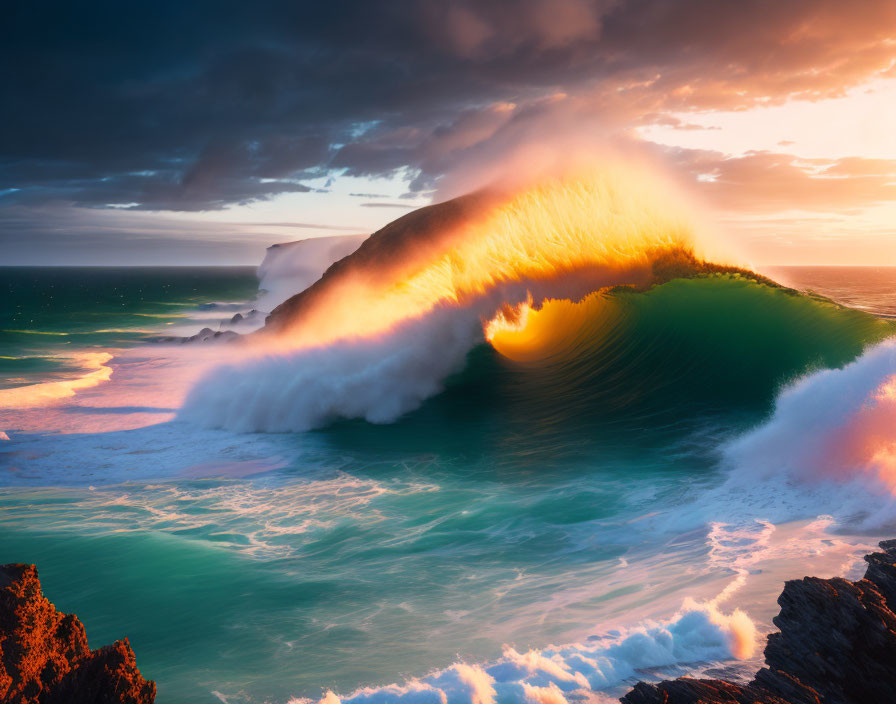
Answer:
x=625 y=507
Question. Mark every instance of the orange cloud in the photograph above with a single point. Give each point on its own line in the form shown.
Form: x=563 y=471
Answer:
x=762 y=182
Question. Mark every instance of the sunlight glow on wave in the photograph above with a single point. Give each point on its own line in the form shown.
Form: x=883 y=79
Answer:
x=46 y=393
x=527 y=334
x=570 y=235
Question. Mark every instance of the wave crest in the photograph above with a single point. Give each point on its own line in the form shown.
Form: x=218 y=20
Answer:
x=381 y=330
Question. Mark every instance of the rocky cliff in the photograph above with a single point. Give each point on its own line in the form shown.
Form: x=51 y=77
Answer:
x=836 y=645
x=387 y=255
x=44 y=656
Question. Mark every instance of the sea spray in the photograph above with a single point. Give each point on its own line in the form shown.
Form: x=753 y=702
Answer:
x=375 y=380
x=834 y=433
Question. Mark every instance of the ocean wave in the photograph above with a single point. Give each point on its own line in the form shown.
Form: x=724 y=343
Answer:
x=832 y=434
x=579 y=672
x=590 y=286
x=681 y=349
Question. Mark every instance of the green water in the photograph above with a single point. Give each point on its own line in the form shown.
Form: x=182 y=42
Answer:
x=279 y=586
x=49 y=312
x=683 y=357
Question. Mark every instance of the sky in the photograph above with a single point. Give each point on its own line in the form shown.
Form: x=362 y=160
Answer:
x=200 y=132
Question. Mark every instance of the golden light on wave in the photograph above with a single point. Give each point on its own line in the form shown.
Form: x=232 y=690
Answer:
x=606 y=224
x=47 y=393
x=510 y=321
x=526 y=334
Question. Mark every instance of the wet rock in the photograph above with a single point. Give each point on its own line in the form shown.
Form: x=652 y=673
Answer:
x=836 y=645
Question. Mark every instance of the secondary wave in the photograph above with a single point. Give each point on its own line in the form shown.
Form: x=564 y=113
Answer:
x=698 y=633
x=833 y=433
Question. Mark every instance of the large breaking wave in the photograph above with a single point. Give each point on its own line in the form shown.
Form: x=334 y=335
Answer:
x=579 y=296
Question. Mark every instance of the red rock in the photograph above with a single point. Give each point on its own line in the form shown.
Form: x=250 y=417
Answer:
x=45 y=658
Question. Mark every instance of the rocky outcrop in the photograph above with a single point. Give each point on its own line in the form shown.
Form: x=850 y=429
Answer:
x=836 y=645
x=291 y=267
x=44 y=656
x=204 y=335
x=389 y=254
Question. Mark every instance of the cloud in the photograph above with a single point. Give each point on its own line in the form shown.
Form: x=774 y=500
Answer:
x=762 y=182
x=389 y=205
x=108 y=107
x=198 y=106
x=60 y=234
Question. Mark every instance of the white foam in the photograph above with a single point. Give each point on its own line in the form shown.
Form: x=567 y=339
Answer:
x=378 y=380
x=698 y=633
x=828 y=448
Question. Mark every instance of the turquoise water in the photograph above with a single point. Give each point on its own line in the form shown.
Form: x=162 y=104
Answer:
x=49 y=312
x=525 y=505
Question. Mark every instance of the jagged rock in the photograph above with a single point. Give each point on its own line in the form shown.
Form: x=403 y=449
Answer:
x=238 y=317
x=836 y=645
x=207 y=335
x=45 y=658
x=203 y=334
x=690 y=691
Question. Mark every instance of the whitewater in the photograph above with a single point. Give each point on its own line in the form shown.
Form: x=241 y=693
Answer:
x=527 y=446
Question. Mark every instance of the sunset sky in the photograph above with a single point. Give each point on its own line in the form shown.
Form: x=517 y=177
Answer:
x=193 y=133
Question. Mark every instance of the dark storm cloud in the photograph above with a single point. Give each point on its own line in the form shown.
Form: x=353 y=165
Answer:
x=197 y=105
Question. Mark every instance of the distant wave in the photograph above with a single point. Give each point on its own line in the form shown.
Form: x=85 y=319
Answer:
x=292 y=267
